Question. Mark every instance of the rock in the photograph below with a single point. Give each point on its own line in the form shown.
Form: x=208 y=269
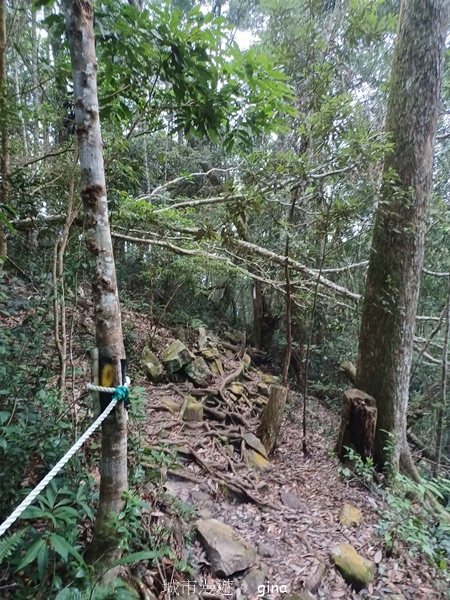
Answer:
x=151 y=365
x=202 y=338
x=313 y=582
x=254 y=442
x=229 y=449
x=182 y=592
x=205 y=514
x=246 y=359
x=263 y=389
x=354 y=568
x=180 y=332
x=255 y=460
x=193 y=411
x=265 y=550
x=350 y=516
x=175 y=356
x=210 y=353
x=254 y=579
x=237 y=388
x=227 y=551
x=198 y=371
x=171 y=404
x=269 y=379
x=200 y=496
x=291 y=500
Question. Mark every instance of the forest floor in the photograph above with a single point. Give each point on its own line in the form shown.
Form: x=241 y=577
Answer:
x=287 y=512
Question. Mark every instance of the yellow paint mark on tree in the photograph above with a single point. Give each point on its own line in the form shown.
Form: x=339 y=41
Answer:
x=107 y=376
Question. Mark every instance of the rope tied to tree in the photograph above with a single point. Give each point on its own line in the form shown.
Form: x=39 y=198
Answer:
x=120 y=394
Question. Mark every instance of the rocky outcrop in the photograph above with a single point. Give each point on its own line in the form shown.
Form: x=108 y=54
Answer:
x=151 y=365
x=350 y=516
x=175 y=357
x=354 y=568
x=227 y=551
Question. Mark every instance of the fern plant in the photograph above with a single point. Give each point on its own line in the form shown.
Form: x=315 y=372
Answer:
x=10 y=544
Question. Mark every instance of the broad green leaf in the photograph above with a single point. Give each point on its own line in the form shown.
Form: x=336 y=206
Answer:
x=63 y=548
x=137 y=556
x=31 y=554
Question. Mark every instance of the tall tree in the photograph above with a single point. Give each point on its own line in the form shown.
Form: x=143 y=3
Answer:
x=79 y=25
x=4 y=186
x=396 y=259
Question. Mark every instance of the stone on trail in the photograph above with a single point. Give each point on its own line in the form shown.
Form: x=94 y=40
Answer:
x=350 y=516
x=175 y=356
x=263 y=389
x=269 y=379
x=171 y=404
x=255 y=460
x=265 y=550
x=198 y=371
x=227 y=551
x=354 y=568
x=254 y=442
x=151 y=365
x=254 y=580
x=291 y=500
x=202 y=338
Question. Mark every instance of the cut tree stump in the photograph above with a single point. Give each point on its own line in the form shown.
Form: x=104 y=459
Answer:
x=358 y=423
x=270 y=424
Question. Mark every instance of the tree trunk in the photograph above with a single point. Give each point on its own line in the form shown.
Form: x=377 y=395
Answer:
x=392 y=288
x=35 y=80
x=4 y=187
x=358 y=424
x=440 y=421
x=113 y=470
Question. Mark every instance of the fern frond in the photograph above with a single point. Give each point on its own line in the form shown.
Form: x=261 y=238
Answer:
x=10 y=544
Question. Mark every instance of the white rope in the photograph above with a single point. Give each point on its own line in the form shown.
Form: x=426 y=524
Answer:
x=57 y=468
x=98 y=388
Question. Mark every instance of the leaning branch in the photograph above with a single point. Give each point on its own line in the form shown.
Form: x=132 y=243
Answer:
x=296 y=266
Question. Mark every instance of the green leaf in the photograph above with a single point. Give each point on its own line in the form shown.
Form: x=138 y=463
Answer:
x=31 y=554
x=69 y=594
x=4 y=416
x=62 y=547
x=137 y=556
x=33 y=512
x=42 y=560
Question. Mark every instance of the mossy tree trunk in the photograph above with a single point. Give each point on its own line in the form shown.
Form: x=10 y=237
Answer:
x=393 y=279
x=113 y=469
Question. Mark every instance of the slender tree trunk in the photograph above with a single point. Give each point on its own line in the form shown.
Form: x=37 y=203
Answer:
x=4 y=187
x=35 y=80
x=442 y=408
x=113 y=470
x=392 y=287
x=21 y=115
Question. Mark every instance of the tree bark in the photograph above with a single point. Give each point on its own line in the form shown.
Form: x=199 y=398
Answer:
x=5 y=162
x=358 y=423
x=113 y=469
x=392 y=287
x=440 y=420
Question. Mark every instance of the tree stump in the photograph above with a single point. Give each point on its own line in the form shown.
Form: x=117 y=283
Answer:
x=358 y=423
x=270 y=424
x=193 y=410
